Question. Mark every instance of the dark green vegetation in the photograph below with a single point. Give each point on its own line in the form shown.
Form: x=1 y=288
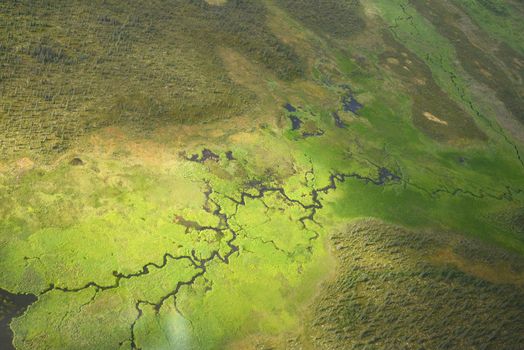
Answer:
x=69 y=67
x=501 y=20
x=495 y=6
x=337 y=18
x=477 y=63
x=399 y=289
x=433 y=111
x=194 y=174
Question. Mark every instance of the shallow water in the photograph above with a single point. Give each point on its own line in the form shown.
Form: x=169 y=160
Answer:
x=11 y=305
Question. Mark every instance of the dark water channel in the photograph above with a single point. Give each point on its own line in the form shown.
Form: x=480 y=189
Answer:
x=11 y=305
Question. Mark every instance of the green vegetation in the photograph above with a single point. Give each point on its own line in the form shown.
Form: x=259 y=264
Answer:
x=71 y=67
x=433 y=111
x=497 y=7
x=499 y=19
x=194 y=174
x=476 y=63
x=337 y=18
x=405 y=289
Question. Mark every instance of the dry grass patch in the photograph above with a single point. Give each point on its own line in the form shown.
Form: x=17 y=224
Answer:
x=216 y=2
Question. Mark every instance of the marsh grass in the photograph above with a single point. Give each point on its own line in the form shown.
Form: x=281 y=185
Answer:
x=69 y=67
x=428 y=96
x=475 y=61
x=340 y=19
x=390 y=294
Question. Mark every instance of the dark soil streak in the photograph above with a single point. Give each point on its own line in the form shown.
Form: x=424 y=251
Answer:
x=119 y=276
x=296 y=123
x=140 y=313
x=313 y=134
x=200 y=264
x=289 y=107
x=272 y=243
x=481 y=194
x=207 y=154
x=383 y=176
x=350 y=104
x=338 y=122
x=229 y=155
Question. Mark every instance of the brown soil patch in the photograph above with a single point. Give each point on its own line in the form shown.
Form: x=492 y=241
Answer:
x=434 y=118
x=216 y=2
x=392 y=60
x=24 y=164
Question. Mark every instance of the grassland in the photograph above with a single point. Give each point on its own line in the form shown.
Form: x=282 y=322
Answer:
x=71 y=67
x=193 y=175
x=409 y=290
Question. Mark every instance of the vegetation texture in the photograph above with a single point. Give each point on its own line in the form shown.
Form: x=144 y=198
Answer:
x=261 y=174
